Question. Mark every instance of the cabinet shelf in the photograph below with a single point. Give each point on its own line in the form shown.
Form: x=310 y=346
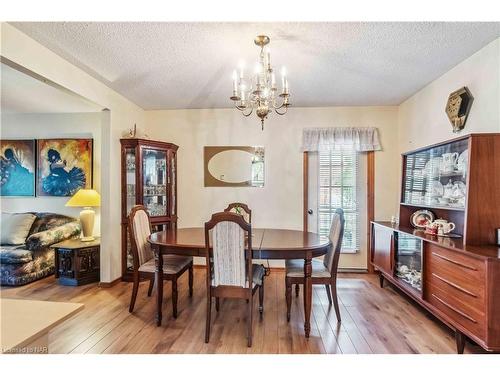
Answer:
x=435 y=207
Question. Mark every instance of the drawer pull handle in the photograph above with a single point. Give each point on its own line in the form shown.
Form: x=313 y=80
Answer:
x=454 y=262
x=455 y=285
x=455 y=309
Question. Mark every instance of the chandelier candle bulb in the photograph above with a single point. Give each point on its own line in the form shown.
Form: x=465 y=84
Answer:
x=235 y=84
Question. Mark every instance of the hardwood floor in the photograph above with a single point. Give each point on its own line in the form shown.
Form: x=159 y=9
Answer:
x=374 y=320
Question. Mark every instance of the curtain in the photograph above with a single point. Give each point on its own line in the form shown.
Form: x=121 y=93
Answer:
x=327 y=139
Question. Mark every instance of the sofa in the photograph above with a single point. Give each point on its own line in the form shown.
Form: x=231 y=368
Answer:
x=25 y=252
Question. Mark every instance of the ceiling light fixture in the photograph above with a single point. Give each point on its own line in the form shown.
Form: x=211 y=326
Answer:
x=260 y=92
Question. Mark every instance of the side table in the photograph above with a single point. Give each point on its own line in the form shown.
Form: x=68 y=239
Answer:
x=77 y=262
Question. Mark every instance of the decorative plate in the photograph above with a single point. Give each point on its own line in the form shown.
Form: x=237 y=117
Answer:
x=419 y=219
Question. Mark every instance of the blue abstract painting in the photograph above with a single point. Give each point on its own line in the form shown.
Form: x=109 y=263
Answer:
x=64 y=166
x=17 y=168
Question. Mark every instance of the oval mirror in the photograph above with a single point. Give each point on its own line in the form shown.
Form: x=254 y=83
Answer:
x=233 y=166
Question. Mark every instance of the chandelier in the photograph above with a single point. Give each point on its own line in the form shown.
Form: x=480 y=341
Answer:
x=260 y=92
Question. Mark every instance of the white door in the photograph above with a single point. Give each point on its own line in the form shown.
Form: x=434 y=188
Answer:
x=343 y=184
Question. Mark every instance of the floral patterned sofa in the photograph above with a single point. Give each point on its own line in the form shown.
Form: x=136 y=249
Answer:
x=33 y=260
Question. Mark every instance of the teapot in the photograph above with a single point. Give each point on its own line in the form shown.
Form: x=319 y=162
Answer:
x=449 y=161
x=444 y=226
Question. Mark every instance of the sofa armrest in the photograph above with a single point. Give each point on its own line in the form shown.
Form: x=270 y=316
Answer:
x=49 y=237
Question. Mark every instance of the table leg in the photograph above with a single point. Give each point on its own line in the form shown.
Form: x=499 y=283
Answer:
x=159 y=284
x=307 y=294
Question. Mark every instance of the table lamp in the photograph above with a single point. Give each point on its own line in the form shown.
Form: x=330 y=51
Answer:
x=86 y=198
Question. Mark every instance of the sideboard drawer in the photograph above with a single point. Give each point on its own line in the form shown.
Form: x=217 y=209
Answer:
x=456 y=310
x=464 y=271
x=470 y=295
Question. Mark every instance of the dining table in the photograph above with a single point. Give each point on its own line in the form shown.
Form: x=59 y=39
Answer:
x=267 y=243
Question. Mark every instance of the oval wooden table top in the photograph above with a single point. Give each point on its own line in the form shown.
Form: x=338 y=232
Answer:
x=266 y=243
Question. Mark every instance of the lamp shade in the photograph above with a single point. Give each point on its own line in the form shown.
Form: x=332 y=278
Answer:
x=85 y=198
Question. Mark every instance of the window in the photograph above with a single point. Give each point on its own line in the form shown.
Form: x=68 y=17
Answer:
x=338 y=176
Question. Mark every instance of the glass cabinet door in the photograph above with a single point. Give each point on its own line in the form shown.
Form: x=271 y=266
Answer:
x=154 y=170
x=437 y=176
x=130 y=169
x=408 y=257
x=173 y=187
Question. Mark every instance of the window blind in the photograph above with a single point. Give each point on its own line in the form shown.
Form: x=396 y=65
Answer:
x=338 y=188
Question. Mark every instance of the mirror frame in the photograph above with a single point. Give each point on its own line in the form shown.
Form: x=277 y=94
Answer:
x=210 y=151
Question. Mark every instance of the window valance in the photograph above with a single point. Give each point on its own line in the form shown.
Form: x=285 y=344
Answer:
x=357 y=139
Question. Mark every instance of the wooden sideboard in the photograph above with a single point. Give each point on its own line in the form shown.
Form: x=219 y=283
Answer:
x=456 y=279
x=460 y=283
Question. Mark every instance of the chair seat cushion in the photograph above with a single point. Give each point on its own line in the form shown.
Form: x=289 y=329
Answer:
x=258 y=271
x=15 y=255
x=295 y=268
x=172 y=264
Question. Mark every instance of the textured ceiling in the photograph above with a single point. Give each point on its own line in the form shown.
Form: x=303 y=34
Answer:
x=21 y=93
x=189 y=65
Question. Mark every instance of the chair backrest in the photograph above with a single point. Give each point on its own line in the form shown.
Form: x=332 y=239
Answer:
x=241 y=209
x=331 y=260
x=139 y=229
x=228 y=262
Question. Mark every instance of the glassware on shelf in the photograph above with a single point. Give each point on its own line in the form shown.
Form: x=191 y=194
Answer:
x=130 y=177
x=431 y=173
x=155 y=181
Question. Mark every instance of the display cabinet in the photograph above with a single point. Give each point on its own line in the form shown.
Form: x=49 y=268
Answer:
x=456 y=181
x=149 y=177
x=455 y=275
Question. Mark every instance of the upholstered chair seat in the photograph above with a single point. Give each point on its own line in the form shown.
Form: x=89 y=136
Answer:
x=172 y=264
x=258 y=272
x=295 y=268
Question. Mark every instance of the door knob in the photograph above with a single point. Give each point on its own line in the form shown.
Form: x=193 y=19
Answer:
x=310 y=212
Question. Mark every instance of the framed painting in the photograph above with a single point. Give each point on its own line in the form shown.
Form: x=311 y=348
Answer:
x=64 y=166
x=17 y=168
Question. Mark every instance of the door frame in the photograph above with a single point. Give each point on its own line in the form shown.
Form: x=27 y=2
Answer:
x=370 y=196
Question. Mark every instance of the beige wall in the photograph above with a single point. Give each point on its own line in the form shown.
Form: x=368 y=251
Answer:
x=279 y=203
x=422 y=118
x=122 y=115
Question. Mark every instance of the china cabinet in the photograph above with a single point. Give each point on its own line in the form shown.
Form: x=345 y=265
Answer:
x=455 y=275
x=149 y=178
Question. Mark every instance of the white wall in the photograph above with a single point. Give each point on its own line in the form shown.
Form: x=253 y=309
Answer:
x=122 y=115
x=279 y=203
x=422 y=118
x=62 y=125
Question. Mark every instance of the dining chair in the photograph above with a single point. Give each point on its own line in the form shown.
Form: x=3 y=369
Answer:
x=245 y=211
x=143 y=260
x=230 y=272
x=323 y=272
x=241 y=209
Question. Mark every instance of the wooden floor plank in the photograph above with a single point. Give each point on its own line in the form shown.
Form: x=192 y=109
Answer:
x=374 y=320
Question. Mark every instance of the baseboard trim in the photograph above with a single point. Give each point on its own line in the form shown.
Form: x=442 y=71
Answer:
x=282 y=269
x=352 y=270
x=105 y=284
